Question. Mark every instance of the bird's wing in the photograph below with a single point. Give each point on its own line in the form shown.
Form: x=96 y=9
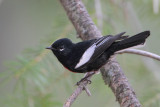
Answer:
x=96 y=49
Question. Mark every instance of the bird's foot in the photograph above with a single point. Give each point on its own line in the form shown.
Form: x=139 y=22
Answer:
x=84 y=79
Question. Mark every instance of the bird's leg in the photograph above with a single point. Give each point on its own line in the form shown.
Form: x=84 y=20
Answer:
x=85 y=78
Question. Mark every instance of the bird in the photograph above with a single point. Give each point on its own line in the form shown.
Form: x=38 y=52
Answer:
x=91 y=55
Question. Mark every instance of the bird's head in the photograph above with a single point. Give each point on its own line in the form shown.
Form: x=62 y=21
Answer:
x=61 y=47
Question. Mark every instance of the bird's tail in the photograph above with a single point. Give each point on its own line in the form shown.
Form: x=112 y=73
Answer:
x=130 y=42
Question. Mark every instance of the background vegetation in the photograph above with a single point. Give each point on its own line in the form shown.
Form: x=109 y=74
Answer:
x=36 y=79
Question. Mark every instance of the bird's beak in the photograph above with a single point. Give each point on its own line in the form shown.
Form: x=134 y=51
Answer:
x=49 y=47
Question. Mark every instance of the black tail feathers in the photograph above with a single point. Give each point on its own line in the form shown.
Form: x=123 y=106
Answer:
x=130 y=42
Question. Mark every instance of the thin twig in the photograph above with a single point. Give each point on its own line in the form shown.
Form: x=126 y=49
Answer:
x=82 y=86
x=140 y=52
x=99 y=14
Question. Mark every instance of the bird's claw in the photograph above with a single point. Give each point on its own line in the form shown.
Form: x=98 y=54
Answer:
x=84 y=79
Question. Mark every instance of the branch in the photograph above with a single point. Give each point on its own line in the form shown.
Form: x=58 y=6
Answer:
x=140 y=52
x=99 y=14
x=111 y=72
x=80 y=88
x=118 y=82
x=81 y=20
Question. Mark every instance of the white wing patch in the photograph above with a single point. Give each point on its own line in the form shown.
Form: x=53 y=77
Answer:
x=86 y=56
x=90 y=51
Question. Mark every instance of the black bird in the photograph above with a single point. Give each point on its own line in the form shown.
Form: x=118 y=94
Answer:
x=92 y=54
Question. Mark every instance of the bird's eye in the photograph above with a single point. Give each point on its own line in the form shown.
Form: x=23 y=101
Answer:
x=61 y=48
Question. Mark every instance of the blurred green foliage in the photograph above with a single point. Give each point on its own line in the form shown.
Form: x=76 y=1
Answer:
x=37 y=79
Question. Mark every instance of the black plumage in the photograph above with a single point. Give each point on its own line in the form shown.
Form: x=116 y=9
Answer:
x=90 y=55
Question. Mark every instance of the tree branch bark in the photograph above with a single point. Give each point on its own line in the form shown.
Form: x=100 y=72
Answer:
x=81 y=20
x=111 y=72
